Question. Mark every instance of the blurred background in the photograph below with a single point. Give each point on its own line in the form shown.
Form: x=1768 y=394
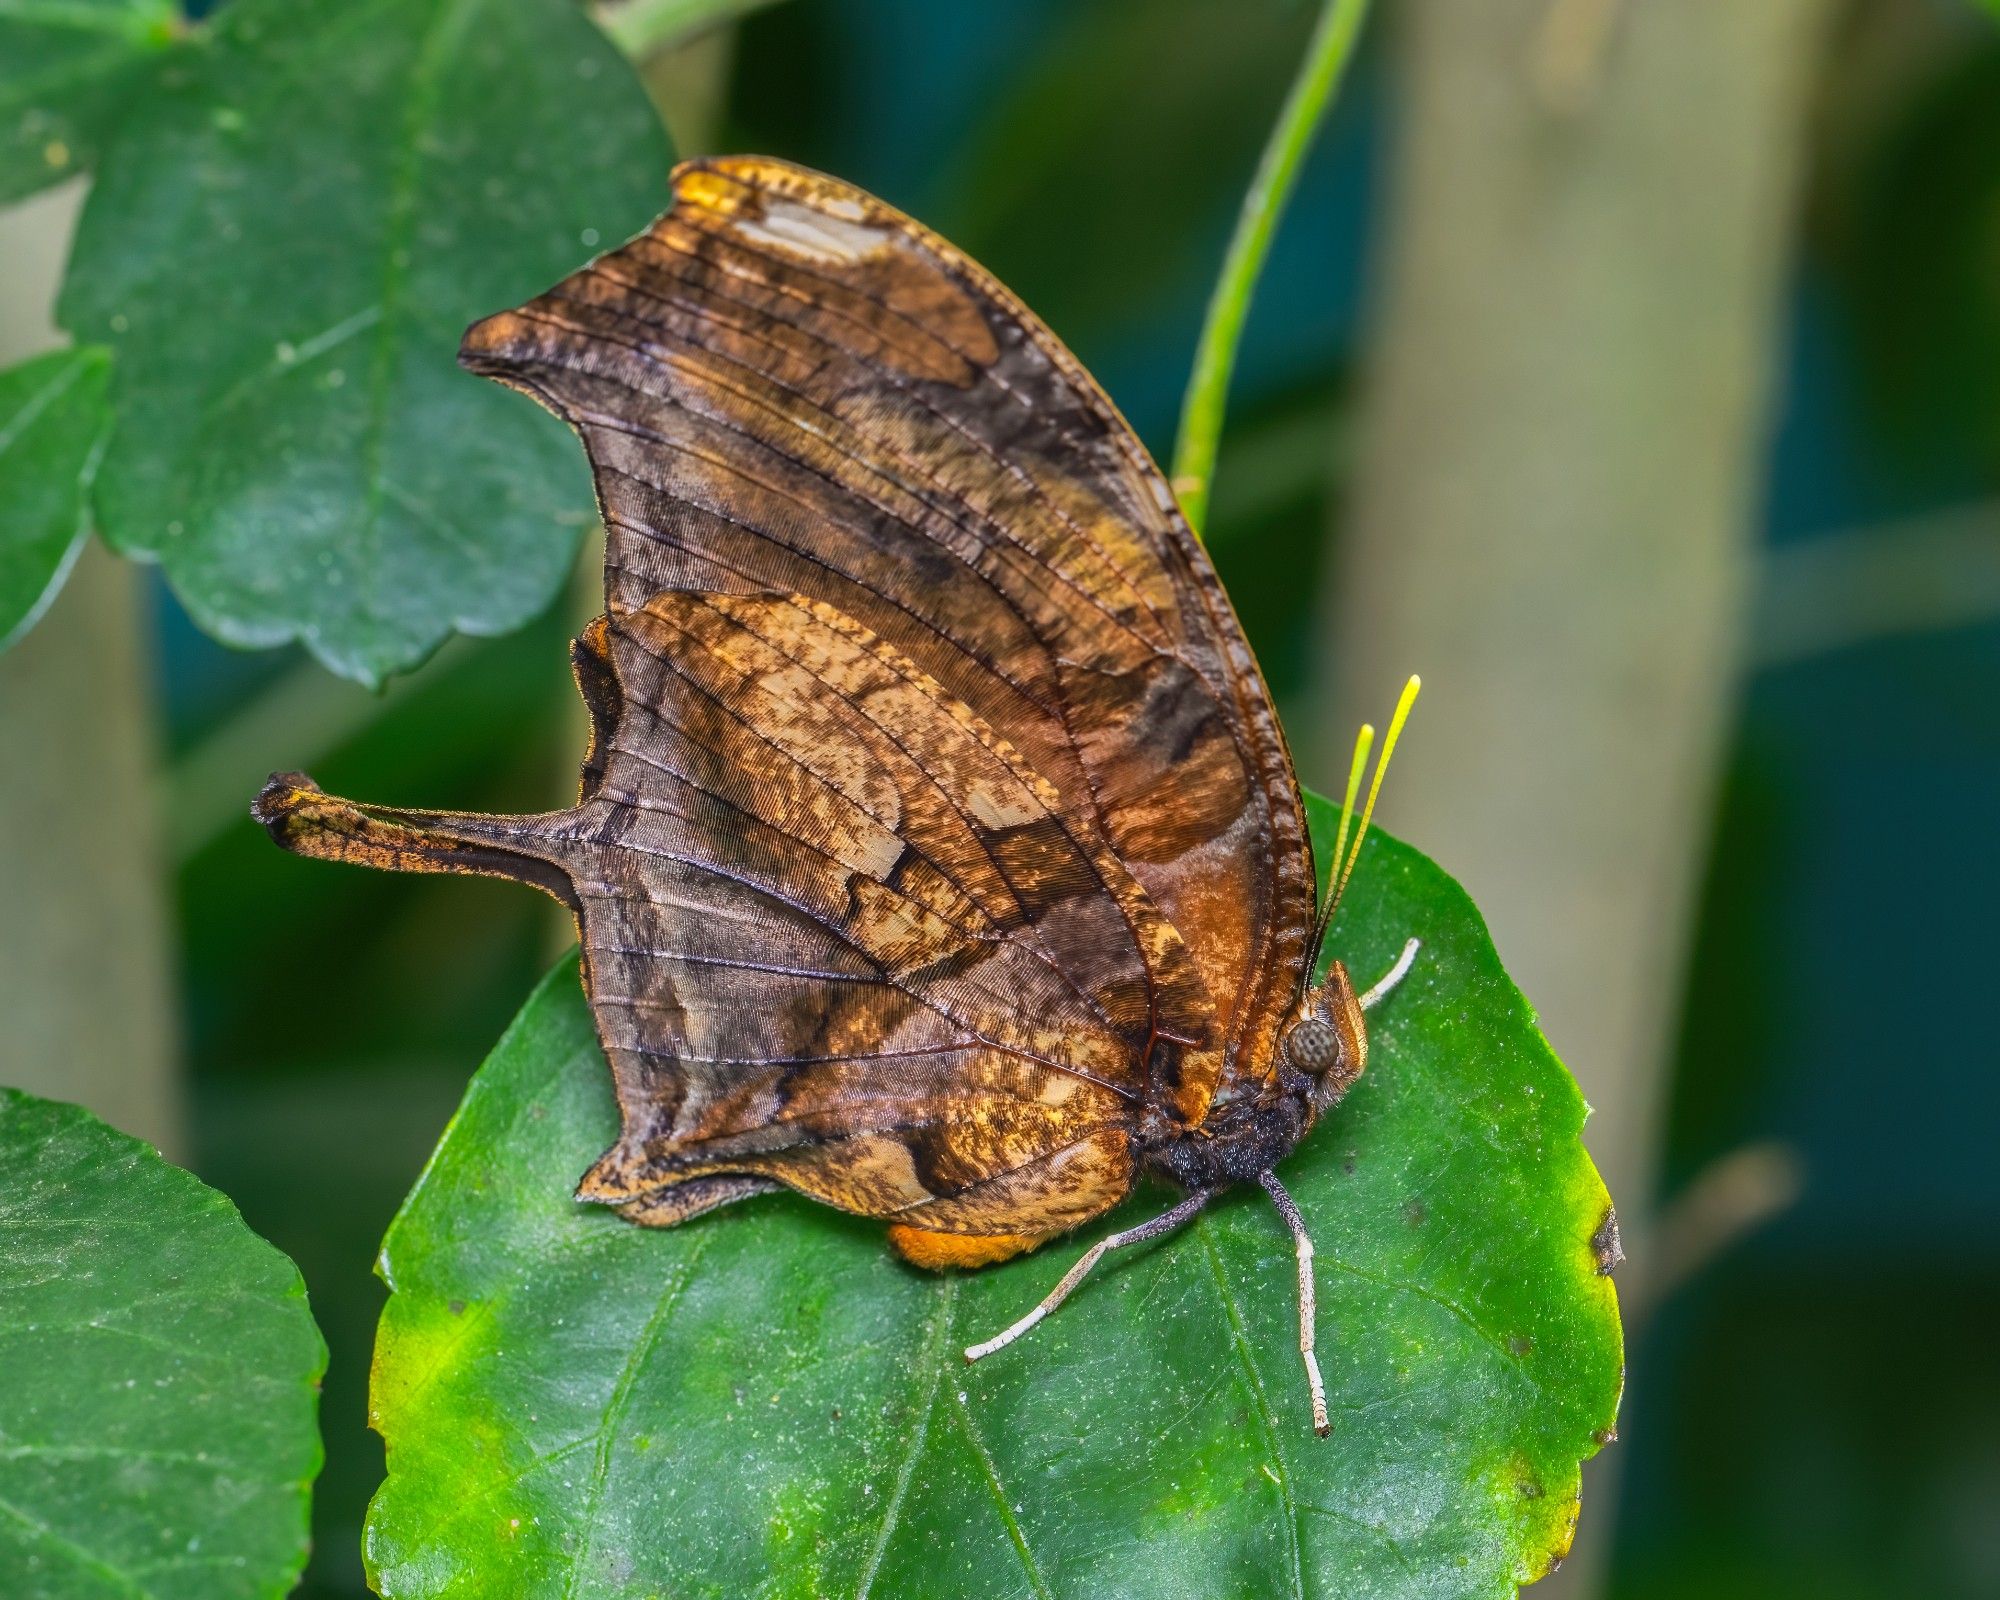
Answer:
x=1631 y=368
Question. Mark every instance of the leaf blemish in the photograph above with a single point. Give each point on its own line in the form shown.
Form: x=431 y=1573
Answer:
x=1606 y=1248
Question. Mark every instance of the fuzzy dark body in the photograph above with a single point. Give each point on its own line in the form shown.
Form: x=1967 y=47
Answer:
x=1235 y=1145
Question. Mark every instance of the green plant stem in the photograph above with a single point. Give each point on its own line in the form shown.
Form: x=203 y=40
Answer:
x=86 y=928
x=1327 y=57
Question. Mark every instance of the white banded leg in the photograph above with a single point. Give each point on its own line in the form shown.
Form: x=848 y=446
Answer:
x=1308 y=1306
x=1165 y=1222
x=1395 y=975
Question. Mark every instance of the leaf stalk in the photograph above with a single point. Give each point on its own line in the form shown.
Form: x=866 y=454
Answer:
x=1327 y=56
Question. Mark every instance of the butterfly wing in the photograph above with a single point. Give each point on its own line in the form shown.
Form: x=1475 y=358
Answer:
x=839 y=933
x=938 y=845
x=786 y=384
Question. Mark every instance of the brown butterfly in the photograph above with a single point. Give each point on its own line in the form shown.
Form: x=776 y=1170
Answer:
x=938 y=853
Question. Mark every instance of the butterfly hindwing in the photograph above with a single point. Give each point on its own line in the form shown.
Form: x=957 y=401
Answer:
x=838 y=933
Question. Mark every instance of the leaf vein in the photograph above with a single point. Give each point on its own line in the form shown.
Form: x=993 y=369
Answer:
x=30 y=410
x=76 y=1553
x=934 y=1338
x=621 y=1396
x=1007 y=1517
x=1240 y=1342
x=1480 y=1330
x=432 y=56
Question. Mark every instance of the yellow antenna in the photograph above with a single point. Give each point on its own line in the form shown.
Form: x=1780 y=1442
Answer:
x=1344 y=858
x=1362 y=741
x=1408 y=699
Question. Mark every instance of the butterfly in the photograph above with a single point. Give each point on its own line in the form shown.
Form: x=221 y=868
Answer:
x=938 y=854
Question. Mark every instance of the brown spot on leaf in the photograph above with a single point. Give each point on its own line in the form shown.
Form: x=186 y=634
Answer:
x=1605 y=1246
x=1565 y=1539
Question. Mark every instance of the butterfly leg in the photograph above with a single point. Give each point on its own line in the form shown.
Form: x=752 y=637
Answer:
x=1165 y=1222
x=1395 y=975
x=1308 y=1306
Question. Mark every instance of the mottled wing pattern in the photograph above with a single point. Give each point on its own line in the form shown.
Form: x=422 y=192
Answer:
x=968 y=844
x=840 y=935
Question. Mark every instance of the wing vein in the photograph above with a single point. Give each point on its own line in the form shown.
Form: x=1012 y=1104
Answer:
x=1035 y=567
x=777 y=897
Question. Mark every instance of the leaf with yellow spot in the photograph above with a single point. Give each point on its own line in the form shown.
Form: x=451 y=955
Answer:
x=67 y=73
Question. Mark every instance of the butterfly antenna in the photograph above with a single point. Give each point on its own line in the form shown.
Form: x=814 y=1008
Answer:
x=1407 y=699
x=1363 y=742
x=1344 y=855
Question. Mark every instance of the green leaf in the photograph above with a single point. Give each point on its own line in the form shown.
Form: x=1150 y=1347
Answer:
x=67 y=68
x=763 y=1402
x=157 y=1422
x=644 y=28
x=298 y=221
x=52 y=423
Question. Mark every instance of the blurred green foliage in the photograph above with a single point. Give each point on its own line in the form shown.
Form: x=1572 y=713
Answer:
x=1916 y=235
x=164 y=1441
x=1817 y=1414
x=52 y=423
x=297 y=218
x=68 y=70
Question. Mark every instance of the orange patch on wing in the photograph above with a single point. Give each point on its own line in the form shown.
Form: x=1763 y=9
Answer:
x=923 y=1248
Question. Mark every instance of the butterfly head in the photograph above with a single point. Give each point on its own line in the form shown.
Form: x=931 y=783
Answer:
x=1328 y=1044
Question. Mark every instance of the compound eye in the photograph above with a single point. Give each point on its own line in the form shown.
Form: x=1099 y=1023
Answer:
x=1312 y=1046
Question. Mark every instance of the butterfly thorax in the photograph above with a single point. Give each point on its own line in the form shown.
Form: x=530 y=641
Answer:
x=1234 y=1146
x=1320 y=1056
